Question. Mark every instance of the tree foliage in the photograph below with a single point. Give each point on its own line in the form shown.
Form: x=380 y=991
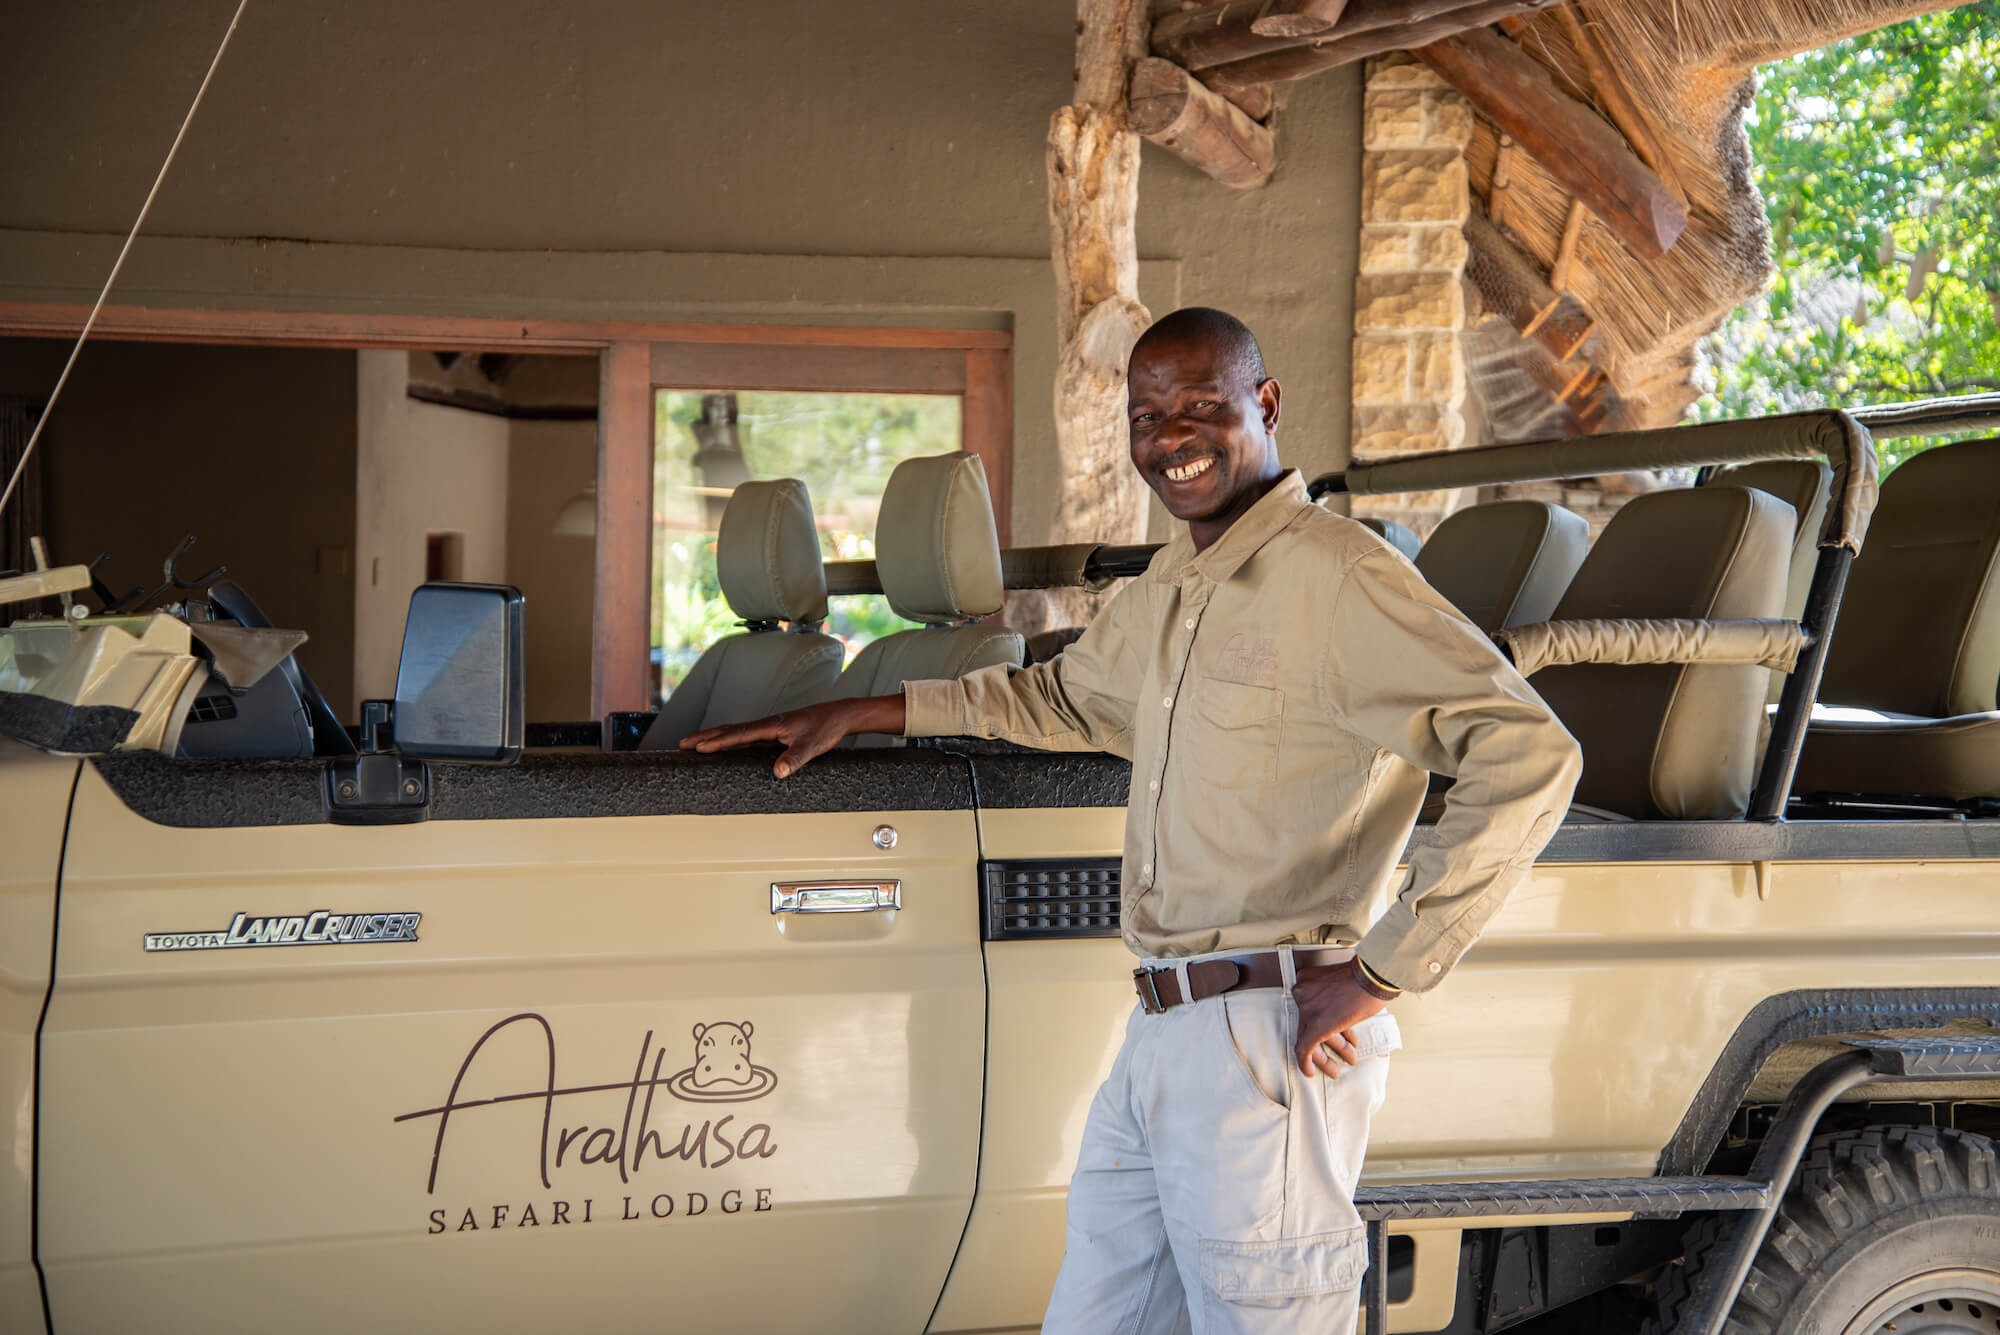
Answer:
x=1879 y=163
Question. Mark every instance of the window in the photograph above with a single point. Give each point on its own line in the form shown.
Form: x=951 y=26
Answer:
x=842 y=446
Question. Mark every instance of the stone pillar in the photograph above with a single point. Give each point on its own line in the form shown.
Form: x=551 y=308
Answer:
x=1409 y=370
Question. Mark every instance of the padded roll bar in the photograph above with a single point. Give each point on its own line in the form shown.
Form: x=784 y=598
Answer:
x=1930 y=417
x=1836 y=436
x=1773 y=644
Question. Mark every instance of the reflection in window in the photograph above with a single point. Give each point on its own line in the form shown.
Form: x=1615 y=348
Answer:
x=842 y=446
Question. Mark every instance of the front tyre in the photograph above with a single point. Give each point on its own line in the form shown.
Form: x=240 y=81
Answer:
x=1884 y=1231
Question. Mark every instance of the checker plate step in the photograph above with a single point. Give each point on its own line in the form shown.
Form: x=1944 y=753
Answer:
x=1649 y=1197
x=1937 y=1058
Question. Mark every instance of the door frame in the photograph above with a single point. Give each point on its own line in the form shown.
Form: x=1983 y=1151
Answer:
x=633 y=357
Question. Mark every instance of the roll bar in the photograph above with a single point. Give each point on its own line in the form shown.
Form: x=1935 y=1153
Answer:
x=1931 y=417
x=1838 y=437
x=1835 y=436
x=1844 y=439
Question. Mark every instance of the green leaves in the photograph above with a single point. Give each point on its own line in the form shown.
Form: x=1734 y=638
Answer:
x=1879 y=161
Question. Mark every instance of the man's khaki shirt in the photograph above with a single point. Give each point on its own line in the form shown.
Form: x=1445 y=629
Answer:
x=1281 y=696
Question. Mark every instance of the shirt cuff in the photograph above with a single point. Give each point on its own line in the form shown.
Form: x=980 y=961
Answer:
x=1405 y=952
x=934 y=709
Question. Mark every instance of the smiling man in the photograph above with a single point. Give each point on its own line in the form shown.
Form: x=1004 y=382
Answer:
x=1283 y=683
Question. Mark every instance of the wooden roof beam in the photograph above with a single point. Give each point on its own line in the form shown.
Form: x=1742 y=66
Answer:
x=1220 y=35
x=1638 y=127
x=1254 y=101
x=1169 y=107
x=1335 y=49
x=1577 y=146
x=1297 y=18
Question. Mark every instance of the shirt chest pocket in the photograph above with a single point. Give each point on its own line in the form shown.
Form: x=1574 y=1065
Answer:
x=1237 y=733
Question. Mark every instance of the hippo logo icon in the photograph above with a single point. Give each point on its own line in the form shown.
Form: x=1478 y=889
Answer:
x=722 y=1070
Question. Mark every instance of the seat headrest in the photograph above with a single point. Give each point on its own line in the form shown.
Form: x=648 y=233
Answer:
x=936 y=549
x=1506 y=563
x=1674 y=742
x=1396 y=535
x=1919 y=627
x=767 y=554
x=1805 y=485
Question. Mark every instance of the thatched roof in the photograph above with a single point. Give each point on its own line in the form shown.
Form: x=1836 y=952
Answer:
x=1689 y=64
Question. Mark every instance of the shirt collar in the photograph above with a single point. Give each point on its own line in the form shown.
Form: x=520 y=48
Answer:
x=1271 y=515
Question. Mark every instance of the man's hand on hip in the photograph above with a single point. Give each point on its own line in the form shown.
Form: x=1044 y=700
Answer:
x=1331 y=1002
x=804 y=733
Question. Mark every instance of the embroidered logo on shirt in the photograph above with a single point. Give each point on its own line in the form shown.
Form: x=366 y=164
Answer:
x=1244 y=659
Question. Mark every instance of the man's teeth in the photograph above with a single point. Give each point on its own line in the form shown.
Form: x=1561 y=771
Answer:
x=1186 y=471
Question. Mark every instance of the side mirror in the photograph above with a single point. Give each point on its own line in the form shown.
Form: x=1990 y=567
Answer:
x=461 y=685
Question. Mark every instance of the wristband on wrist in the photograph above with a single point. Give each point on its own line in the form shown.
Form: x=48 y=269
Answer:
x=1373 y=983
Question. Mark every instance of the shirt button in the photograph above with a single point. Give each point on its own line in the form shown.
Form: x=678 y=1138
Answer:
x=1435 y=967
x=1167 y=702
x=1190 y=623
x=1146 y=870
x=1153 y=786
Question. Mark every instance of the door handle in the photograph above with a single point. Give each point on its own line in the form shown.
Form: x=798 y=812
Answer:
x=835 y=896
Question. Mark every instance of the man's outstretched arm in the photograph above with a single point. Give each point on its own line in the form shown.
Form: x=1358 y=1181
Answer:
x=805 y=733
x=1079 y=700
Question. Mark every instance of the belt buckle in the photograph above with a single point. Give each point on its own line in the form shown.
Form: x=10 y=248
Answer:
x=1149 y=992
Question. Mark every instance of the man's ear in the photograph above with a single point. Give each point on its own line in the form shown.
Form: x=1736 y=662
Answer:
x=1267 y=399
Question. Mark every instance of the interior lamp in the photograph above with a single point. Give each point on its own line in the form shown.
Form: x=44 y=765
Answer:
x=578 y=517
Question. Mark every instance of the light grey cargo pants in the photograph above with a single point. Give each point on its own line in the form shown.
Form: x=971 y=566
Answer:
x=1214 y=1187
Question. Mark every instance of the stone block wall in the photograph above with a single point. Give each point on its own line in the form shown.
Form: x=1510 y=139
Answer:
x=1409 y=368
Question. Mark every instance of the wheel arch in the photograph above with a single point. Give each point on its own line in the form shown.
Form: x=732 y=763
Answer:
x=1789 y=1018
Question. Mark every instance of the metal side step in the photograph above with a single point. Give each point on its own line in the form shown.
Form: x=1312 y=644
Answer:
x=1647 y=1197
x=1931 y=1058
x=1871 y=1061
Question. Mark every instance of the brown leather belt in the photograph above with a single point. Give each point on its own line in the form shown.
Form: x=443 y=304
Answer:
x=1160 y=988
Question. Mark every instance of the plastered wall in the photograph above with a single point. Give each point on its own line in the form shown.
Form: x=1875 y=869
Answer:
x=548 y=463
x=420 y=469
x=249 y=449
x=791 y=160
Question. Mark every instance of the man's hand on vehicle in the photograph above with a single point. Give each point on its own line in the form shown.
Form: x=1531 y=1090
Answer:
x=1331 y=1002
x=804 y=733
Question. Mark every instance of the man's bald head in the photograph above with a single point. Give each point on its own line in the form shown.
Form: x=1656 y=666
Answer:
x=1202 y=414
x=1235 y=346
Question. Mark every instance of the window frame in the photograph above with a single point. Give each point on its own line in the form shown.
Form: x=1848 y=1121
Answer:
x=976 y=364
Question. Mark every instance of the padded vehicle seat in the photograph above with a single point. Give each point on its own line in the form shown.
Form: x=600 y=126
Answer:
x=1505 y=563
x=938 y=557
x=1673 y=742
x=767 y=561
x=1806 y=485
x=1914 y=668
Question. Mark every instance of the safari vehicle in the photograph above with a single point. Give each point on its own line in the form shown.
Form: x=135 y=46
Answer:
x=507 y=1028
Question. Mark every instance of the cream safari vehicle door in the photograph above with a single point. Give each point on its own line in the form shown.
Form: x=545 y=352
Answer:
x=632 y=1042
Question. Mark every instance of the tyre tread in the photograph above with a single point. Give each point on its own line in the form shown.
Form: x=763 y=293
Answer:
x=1846 y=1182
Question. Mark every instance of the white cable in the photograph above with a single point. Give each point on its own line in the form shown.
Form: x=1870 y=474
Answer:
x=123 y=251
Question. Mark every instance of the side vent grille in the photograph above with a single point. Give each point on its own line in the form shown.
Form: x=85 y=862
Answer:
x=211 y=709
x=1037 y=899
